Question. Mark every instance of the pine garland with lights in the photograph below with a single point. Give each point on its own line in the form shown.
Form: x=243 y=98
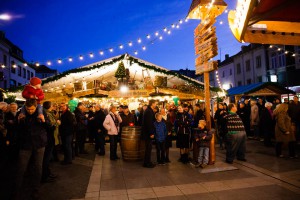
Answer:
x=131 y=59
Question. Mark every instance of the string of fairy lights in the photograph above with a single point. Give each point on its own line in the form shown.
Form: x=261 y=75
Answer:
x=142 y=42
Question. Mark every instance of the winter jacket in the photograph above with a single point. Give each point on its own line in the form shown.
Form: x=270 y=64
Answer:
x=109 y=124
x=254 y=116
x=283 y=125
x=183 y=123
x=68 y=123
x=31 y=92
x=200 y=133
x=147 y=125
x=33 y=132
x=160 y=131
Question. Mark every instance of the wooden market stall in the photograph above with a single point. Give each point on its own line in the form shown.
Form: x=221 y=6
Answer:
x=258 y=89
x=123 y=77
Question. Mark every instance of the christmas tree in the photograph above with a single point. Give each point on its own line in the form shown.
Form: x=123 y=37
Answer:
x=121 y=72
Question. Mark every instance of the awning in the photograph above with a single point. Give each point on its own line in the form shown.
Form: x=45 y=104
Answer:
x=259 y=89
x=266 y=21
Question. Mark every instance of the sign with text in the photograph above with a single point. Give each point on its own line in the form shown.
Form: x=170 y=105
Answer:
x=206 y=67
x=211 y=32
x=205 y=56
x=209 y=44
x=201 y=28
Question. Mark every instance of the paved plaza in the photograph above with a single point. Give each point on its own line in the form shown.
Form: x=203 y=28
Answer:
x=92 y=177
x=262 y=177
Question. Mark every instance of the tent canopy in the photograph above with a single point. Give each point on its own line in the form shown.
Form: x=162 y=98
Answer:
x=260 y=89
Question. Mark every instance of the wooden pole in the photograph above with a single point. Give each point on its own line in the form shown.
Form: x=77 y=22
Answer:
x=212 y=153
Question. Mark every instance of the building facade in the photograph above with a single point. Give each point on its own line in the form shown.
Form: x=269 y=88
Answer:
x=258 y=63
x=43 y=71
x=14 y=70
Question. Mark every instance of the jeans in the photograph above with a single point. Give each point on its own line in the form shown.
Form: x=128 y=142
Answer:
x=255 y=131
x=235 y=146
x=36 y=162
x=67 y=146
x=46 y=161
x=148 y=149
x=80 y=140
x=292 y=148
x=113 y=146
x=100 y=142
x=160 y=151
x=203 y=155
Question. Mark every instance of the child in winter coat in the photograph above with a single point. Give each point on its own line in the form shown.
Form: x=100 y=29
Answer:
x=203 y=138
x=160 y=138
x=33 y=91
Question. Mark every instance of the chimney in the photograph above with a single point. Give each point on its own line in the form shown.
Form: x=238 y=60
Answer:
x=226 y=56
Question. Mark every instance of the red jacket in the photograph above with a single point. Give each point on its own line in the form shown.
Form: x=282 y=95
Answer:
x=30 y=92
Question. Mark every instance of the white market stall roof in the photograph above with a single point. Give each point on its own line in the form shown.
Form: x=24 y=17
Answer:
x=105 y=71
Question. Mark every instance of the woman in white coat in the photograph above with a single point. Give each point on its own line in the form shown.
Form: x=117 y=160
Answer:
x=112 y=125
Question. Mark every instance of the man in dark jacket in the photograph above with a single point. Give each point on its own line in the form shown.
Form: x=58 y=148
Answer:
x=33 y=139
x=101 y=131
x=66 y=130
x=148 y=132
x=294 y=113
x=81 y=129
x=127 y=117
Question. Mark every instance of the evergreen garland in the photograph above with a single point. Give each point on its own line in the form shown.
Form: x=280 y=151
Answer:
x=98 y=66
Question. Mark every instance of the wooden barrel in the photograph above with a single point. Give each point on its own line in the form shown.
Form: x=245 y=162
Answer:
x=131 y=145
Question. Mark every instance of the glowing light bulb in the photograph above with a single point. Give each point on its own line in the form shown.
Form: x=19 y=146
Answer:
x=180 y=21
x=221 y=22
x=111 y=49
x=5 y=17
x=91 y=55
x=294 y=54
x=286 y=52
x=148 y=36
x=70 y=59
x=139 y=40
x=49 y=63
x=59 y=61
x=161 y=37
x=177 y=26
x=3 y=66
x=25 y=65
x=165 y=29
x=81 y=57
x=121 y=46
x=101 y=53
x=271 y=46
x=186 y=20
x=37 y=64
x=279 y=49
x=169 y=32
x=173 y=25
x=144 y=48
x=135 y=52
x=130 y=44
x=226 y=11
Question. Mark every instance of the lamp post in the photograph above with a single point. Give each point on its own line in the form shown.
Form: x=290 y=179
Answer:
x=206 y=48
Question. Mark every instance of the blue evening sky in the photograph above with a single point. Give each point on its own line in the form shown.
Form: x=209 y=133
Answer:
x=52 y=29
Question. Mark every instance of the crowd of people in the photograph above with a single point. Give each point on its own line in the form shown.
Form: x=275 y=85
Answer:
x=35 y=136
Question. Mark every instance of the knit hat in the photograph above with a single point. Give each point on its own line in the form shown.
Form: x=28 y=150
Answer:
x=35 y=81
